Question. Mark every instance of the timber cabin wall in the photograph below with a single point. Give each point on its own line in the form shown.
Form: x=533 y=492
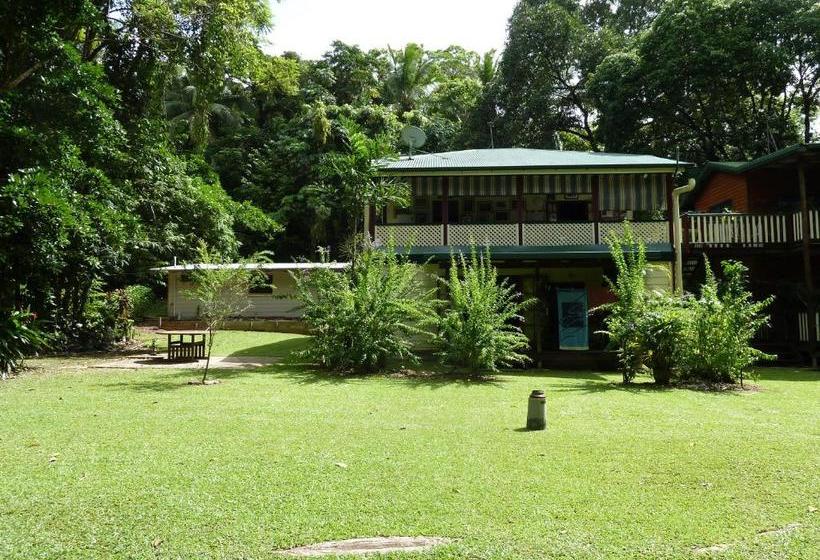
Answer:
x=724 y=187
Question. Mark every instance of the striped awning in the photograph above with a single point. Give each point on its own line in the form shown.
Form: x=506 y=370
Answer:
x=425 y=186
x=482 y=185
x=632 y=192
x=557 y=184
x=501 y=185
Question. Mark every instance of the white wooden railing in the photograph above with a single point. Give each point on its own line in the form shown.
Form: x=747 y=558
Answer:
x=803 y=326
x=744 y=230
x=814 y=225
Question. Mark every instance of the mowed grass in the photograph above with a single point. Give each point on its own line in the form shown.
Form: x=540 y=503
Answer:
x=138 y=464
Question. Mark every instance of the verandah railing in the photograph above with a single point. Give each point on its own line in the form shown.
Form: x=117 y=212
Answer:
x=728 y=229
x=527 y=234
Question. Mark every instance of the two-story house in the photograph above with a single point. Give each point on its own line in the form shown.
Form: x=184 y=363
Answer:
x=545 y=215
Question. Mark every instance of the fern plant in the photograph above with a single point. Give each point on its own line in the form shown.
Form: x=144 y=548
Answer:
x=480 y=330
x=368 y=315
x=725 y=319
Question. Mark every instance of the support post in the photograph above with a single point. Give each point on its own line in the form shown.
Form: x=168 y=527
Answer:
x=519 y=197
x=445 y=208
x=811 y=304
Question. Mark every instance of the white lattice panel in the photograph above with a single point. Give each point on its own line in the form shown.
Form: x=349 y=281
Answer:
x=648 y=232
x=559 y=234
x=482 y=234
x=411 y=235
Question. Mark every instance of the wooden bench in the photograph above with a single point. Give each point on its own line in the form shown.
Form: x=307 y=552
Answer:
x=181 y=349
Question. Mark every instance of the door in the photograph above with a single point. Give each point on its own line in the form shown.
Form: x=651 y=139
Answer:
x=573 y=332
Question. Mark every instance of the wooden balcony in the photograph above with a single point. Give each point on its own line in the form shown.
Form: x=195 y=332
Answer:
x=525 y=234
x=731 y=230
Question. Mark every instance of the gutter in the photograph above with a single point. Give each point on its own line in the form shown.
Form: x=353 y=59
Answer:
x=677 y=230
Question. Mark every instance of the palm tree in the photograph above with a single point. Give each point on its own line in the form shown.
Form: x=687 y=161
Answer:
x=200 y=117
x=411 y=72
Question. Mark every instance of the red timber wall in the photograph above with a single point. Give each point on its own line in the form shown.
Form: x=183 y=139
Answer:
x=722 y=187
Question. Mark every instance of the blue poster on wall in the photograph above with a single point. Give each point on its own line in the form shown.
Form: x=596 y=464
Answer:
x=573 y=332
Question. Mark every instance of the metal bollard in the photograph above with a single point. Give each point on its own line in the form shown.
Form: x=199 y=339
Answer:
x=537 y=411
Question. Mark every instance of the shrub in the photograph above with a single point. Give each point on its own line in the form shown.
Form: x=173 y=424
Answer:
x=662 y=332
x=366 y=315
x=725 y=318
x=144 y=302
x=480 y=330
x=20 y=336
x=622 y=324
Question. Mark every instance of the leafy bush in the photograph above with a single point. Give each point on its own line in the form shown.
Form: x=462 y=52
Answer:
x=106 y=319
x=707 y=338
x=725 y=318
x=20 y=336
x=366 y=315
x=622 y=323
x=662 y=330
x=144 y=302
x=480 y=329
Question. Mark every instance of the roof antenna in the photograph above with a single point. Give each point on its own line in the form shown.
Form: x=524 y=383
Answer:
x=412 y=137
x=492 y=140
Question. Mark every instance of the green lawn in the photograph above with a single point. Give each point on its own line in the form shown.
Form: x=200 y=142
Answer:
x=138 y=464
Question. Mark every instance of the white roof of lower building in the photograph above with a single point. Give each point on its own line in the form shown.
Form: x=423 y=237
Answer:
x=255 y=266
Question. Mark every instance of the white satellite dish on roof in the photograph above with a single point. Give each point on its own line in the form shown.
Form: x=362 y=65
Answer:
x=413 y=137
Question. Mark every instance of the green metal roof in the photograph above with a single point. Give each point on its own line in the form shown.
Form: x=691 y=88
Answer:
x=521 y=158
x=654 y=251
x=738 y=167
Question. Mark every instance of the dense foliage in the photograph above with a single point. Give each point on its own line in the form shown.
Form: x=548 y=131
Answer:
x=366 y=316
x=480 y=328
x=706 y=338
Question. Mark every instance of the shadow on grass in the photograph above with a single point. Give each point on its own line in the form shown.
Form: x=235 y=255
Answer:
x=309 y=374
x=173 y=379
x=280 y=349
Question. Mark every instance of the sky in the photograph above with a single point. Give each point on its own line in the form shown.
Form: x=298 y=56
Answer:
x=309 y=26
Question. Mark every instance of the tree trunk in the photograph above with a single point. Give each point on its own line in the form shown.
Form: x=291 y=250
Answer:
x=208 y=356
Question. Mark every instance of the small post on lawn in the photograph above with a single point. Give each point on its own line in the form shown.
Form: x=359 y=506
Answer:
x=537 y=410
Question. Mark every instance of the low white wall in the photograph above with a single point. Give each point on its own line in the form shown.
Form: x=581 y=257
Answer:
x=280 y=304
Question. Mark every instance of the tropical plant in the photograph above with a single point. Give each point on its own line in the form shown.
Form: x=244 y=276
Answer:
x=411 y=72
x=371 y=313
x=622 y=322
x=20 y=336
x=725 y=319
x=480 y=329
x=662 y=332
x=351 y=179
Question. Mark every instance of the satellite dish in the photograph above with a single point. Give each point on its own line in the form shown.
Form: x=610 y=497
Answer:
x=413 y=137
